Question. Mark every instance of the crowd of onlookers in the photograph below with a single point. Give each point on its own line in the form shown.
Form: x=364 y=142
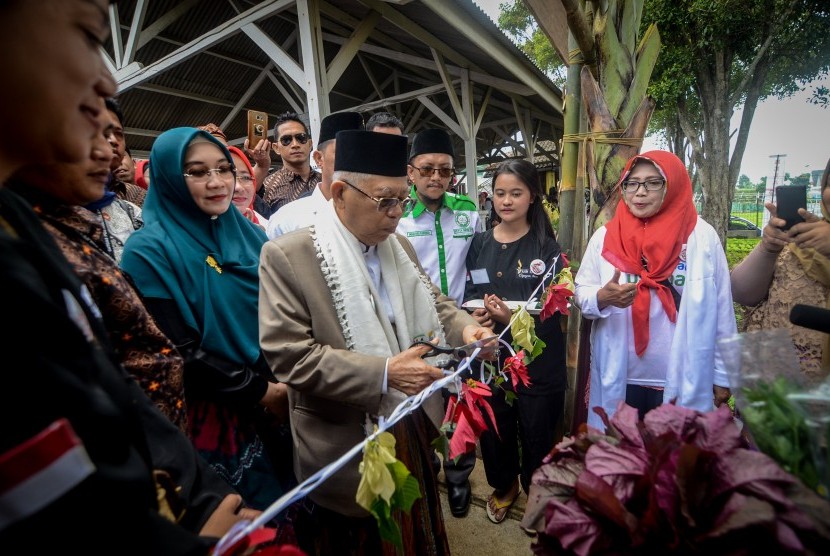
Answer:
x=191 y=335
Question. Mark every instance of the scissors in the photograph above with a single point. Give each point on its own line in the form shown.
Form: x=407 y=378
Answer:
x=456 y=355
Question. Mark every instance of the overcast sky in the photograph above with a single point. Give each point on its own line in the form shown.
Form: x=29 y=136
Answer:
x=791 y=127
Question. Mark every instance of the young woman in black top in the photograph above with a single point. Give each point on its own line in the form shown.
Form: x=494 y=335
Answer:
x=506 y=263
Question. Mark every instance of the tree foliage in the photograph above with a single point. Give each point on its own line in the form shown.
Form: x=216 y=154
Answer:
x=520 y=25
x=719 y=55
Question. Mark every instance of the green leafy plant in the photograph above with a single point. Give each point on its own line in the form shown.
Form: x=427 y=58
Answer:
x=779 y=429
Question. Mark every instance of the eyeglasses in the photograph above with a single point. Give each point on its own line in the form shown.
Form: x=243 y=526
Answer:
x=302 y=139
x=426 y=171
x=224 y=173
x=247 y=179
x=385 y=204
x=632 y=186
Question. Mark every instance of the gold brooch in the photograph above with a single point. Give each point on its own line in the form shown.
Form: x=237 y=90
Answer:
x=213 y=264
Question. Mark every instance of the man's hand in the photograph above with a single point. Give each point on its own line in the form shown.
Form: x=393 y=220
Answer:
x=813 y=232
x=261 y=153
x=616 y=294
x=227 y=513
x=409 y=373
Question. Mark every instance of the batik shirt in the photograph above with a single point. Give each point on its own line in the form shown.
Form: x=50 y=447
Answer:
x=144 y=351
x=284 y=186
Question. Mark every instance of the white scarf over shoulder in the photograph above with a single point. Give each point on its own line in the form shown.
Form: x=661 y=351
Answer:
x=360 y=310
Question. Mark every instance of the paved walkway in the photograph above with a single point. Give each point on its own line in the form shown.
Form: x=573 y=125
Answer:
x=475 y=534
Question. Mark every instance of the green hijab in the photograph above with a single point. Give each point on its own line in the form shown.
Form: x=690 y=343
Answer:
x=207 y=266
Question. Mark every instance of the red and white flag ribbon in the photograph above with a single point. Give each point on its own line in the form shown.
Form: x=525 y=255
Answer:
x=40 y=470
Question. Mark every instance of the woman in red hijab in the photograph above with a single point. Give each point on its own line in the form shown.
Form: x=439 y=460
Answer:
x=245 y=189
x=656 y=283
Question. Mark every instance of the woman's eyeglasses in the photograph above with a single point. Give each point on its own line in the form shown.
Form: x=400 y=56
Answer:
x=631 y=186
x=385 y=204
x=225 y=173
x=427 y=171
x=302 y=139
x=244 y=178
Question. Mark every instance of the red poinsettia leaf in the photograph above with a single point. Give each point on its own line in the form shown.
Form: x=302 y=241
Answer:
x=596 y=494
x=516 y=369
x=473 y=390
x=556 y=300
x=489 y=410
x=564 y=260
x=475 y=419
x=450 y=416
x=464 y=437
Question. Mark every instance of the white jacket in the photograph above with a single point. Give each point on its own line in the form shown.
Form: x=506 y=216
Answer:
x=705 y=315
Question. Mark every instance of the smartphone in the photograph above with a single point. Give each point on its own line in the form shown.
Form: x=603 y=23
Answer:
x=788 y=199
x=257 y=127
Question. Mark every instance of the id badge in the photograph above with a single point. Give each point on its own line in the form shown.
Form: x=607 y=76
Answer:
x=480 y=276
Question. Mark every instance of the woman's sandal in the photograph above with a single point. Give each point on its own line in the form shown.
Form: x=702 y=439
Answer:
x=497 y=509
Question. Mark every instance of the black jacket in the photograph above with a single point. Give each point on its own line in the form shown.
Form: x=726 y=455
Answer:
x=57 y=364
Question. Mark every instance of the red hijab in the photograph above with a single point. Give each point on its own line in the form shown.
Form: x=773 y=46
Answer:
x=658 y=239
x=139 y=174
x=249 y=214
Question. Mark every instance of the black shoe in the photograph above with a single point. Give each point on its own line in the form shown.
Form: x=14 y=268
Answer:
x=459 y=497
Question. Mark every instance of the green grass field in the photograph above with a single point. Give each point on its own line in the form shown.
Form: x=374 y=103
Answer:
x=736 y=250
x=755 y=218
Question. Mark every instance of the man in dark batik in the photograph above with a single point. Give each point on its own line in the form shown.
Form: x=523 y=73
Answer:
x=292 y=142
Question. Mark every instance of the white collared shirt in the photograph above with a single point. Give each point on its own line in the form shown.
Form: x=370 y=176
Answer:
x=296 y=214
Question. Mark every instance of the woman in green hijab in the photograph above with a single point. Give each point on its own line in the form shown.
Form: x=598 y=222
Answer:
x=195 y=264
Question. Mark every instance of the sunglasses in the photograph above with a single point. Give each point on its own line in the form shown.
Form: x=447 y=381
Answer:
x=427 y=171
x=302 y=139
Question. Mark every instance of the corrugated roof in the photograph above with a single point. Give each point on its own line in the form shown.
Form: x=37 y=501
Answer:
x=205 y=87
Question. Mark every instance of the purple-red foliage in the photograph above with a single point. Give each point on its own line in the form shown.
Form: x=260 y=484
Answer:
x=678 y=482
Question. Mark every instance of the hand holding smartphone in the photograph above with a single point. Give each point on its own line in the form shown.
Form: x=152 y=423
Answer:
x=257 y=127
x=788 y=199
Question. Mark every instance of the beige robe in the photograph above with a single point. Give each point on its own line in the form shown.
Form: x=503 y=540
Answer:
x=330 y=388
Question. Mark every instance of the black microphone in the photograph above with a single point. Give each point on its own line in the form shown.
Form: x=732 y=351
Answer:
x=808 y=316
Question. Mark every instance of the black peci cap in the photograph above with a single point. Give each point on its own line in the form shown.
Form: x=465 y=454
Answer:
x=366 y=152
x=432 y=141
x=339 y=121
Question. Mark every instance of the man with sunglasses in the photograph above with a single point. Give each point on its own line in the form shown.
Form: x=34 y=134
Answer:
x=292 y=143
x=440 y=227
x=303 y=211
